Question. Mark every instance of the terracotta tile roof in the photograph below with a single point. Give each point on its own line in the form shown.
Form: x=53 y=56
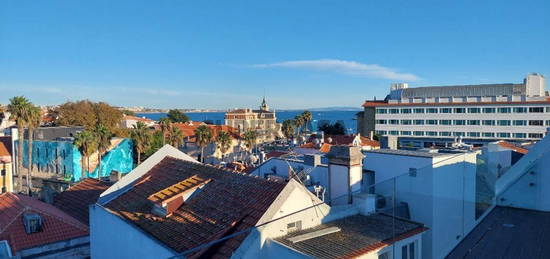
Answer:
x=5 y=149
x=75 y=200
x=325 y=148
x=513 y=147
x=387 y=104
x=308 y=145
x=369 y=142
x=275 y=153
x=345 y=140
x=135 y=118
x=189 y=130
x=57 y=225
x=230 y=202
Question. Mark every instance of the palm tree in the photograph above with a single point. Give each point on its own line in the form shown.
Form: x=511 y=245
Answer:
x=104 y=136
x=175 y=137
x=165 y=125
x=19 y=109
x=307 y=117
x=250 y=138
x=288 y=128
x=224 y=142
x=87 y=143
x=299 y=122
x=142 y=139
x=203 y=136
x=33 y=121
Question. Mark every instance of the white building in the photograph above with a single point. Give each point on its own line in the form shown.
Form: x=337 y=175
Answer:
x=171 y=205
x=423 y=116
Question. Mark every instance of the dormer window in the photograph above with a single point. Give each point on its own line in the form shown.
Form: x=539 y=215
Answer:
x=168 y=200
x=32 y=223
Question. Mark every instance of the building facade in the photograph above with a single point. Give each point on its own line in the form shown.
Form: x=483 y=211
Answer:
x=263 y=121
x=474 y=113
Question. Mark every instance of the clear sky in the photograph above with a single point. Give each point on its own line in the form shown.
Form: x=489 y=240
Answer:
x=225 y=54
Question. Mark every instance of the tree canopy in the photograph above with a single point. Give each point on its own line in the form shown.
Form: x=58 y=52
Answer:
x=332 y=129
x=88 y=114
x=177 y=116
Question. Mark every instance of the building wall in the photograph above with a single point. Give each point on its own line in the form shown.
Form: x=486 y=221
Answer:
x=120 y=159
x=112 y=237
x=6 y=177
x=72 y=248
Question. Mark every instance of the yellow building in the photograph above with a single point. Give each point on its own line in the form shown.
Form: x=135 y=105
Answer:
x=6 y=177
x=263 y=121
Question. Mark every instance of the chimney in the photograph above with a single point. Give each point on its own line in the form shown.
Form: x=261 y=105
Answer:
x=345 y=170
x=312 y=159
x=371 y=135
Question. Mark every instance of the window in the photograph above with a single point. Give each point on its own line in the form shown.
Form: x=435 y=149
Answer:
x=547 y=123
x=294 y=226
x=459 y=122
x=431 y=110
x=381 y=111
x=473 y=134
x=431 y=133
x=381 y=121
x=431 y=122
x=445 y=110
x=406 y=122
x=445 y=122
x=418 y=122
x=408 y=251
x=394 y=132
x=503 y=123
x=503 y=135
x=394 y=111
x=488 y=110
x=419 y=133
x=381 y=132
x=460 y=110
x=459 y=134
x=406 y=110
x=488 y=134
x=519 y=135
x=535 y=135
x=445 y=134
x=419 y=110
x=536 y=109
x=519 y=122
x=473 y=122
x=520 y=109
x=405 y=133
x=535 y=123
x=488 y=122
x=504 y=110
x=394 y=122
x=32 y=223
x=474 y=110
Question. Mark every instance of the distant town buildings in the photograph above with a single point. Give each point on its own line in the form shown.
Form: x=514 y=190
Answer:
x=477 y=114
x=129 y=122
x=262 y=121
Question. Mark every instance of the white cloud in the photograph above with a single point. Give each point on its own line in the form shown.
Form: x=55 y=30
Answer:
x=344 y=67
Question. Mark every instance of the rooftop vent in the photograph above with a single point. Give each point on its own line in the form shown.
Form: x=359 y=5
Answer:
x=168 y=200
x=32 y=223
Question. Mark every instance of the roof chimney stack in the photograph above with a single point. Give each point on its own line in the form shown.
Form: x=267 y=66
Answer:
x=345 y=170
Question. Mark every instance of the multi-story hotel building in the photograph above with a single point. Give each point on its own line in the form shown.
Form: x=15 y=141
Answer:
x=422 y=116
x=263 y=121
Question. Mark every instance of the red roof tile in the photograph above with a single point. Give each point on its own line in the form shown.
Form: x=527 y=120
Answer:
x=229 y=203
x=57 y=225
x=325 y=148
x=275 y=153
x=75 y=200
x=369 y=142
x=513 y=147
x=189 y=130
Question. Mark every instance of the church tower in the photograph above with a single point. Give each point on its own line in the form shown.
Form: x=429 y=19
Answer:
x=264 y=106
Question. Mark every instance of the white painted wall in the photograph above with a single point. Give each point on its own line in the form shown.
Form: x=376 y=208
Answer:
x=338 y=184
x=112 y=237
x=318 y=174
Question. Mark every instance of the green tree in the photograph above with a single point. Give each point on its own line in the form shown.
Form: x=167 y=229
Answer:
x=299 y=122
x=33 y=121
x=203 y=136
x=19 y=109
x=307 y=117
x=104 y=136
x=155 y=144
x=128 y=113
x=224 y=142
x=288 y=128
x=332 y=129
x=142 y=139
x=177 y=116
x=165 y=125
x=175 y=137
x=250 y=138
x=88 y=114
x=87 y=144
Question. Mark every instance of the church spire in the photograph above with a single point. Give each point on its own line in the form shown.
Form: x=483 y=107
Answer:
x=264 y=106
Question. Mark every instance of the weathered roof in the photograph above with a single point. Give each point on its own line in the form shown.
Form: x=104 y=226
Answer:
x=459 y=91
x=507 y=233
x=5 y=149
x=508 y=145
x=358 y=235
x=75 y=200
x=230 y=202
x=402 y=152
x=57 y=225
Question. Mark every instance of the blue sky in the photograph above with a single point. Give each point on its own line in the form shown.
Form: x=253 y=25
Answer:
x=225 y=54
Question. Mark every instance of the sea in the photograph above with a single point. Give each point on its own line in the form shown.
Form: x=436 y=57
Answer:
x=347 y=118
